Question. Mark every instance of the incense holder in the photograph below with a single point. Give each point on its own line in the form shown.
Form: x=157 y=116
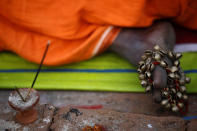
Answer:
x=26 y=113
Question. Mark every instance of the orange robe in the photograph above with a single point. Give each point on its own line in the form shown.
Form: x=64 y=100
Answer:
x=80 y=29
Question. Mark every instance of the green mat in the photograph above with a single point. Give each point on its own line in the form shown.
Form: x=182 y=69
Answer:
x=107 y=72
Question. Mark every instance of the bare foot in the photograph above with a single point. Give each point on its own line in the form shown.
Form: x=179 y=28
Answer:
x=132 y=43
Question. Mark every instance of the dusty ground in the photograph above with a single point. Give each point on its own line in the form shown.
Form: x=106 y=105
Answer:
x=114 y=111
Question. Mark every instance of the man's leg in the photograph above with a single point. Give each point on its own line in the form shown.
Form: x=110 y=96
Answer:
x=132 y=43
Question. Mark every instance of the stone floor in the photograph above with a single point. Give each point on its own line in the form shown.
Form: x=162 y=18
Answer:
x=114 y=111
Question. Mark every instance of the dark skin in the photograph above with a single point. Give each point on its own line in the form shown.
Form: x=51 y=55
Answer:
x=132 y=43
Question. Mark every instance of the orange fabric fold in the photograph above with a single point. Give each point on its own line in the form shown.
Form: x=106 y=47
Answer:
x=80 y=29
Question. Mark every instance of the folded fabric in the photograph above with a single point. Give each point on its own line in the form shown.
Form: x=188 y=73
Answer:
x=107 y=72
x=80 y=27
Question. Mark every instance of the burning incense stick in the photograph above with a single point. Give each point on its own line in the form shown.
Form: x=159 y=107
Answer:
x=19 y=94
x=38 y=71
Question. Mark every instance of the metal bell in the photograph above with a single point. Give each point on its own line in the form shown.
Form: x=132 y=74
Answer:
x=148 y=52
x=179 y=94
x=143 y=67
x=139 y=70
x=176 y=63
x=185 y=97
x=174 y=69
x=148 y=74
x=140 y=63
x=175 y=108
x=151 y=67
x=178 y=55
x=165 y=93
x=187 y=80
x=164 y=102
x=182 y=82
x=170 y=54
x=148 y=88
x=141 y=76
x=148 y=61
x=163 y=64
x=171 y=75
x=180 y=105
x=174 y=101
x=173 y=90
x=157 y=48
x=177 y=76
x=168 y=106
x=144 y=83
x=157 y=56
x=183 y=88
x=143 y=57
x=162 y=52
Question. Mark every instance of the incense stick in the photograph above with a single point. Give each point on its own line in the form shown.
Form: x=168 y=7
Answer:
x=39 y=68
x=19 y=94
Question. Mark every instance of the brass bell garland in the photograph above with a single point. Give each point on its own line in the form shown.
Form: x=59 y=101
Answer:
x=174 y=95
